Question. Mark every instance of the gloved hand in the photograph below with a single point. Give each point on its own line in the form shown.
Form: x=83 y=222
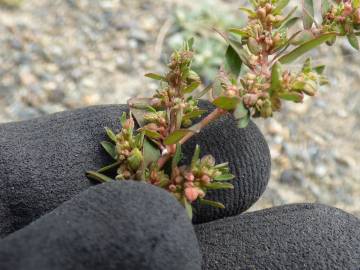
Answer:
x=37 y=162
x=43 y=162
x=118 y=225
x=299 y=236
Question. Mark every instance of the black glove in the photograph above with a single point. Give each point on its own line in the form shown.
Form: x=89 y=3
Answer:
x=300 y=236
x=43 y=162
x=128 y=225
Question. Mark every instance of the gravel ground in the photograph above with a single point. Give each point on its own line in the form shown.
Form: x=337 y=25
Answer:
x=63 y=54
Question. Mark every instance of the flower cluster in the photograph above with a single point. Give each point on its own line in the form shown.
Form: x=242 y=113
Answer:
x=344 y=19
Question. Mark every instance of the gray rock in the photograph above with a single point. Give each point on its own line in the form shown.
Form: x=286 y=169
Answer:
x=302 y=236
x=291 y=177
x=128 y=225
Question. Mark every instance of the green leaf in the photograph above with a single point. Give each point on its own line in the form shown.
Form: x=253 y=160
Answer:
x=138 y=108
x=319 y=69
x=308 y=13
x=292 y=96
x=123 y=118
x=176 y=136
x=151 y=134
x=139 y=140
x=281 y=4
x=288 y=21
x=177 y=157
x=151 y=109
x=98 y=177
x=221 y=165
x=190 y=43
x=110 y=149
x=110 y=134
x=242 y=115
x=219 y=185
x=109 y=167
x=240 y=50
x=254 y=3
x=353 y=40
x=233 y=61
x=224 y=177
x=194 y=114
x=226 y=103
x=191 y=87
x=196 y=156
x=287 y=24
x=307 y=67
x=188 y=208
x=248 y=11
x=239 y=32
x=203 y=92
x=305 y=47
x=276 y=75
x=301 y=37
x=211 y=203
x=155 y=77
x=356 y=4
x=150 y=153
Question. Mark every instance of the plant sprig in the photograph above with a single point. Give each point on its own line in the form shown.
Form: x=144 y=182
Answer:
x=253 y=83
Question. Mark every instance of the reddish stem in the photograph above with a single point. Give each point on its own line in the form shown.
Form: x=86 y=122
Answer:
x=211 y=117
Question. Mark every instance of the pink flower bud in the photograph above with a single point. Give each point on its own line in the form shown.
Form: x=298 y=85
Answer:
x=250 y=100
x=191 y=194
x=347 y=9
x=129 y=123
x=179 y=179
x=190 y=177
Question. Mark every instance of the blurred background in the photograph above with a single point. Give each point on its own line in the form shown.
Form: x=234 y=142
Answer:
x=58 y=55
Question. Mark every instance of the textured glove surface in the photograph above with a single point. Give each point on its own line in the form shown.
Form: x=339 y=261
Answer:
x=303 y=236
x=128 y=225
x=43 y=162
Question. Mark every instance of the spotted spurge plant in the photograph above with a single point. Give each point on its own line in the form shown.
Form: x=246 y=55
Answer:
x=253 y=82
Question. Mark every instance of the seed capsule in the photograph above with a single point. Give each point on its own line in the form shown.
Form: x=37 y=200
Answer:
x=179 y=179
x=266 y=110
x=270 y=18
x=205 y=179
x=135 y=159
x=261 y=12
x=208 y=160
x=172 y=188
x=268 y=7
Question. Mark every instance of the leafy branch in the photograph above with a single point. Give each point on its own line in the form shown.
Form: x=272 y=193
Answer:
x=253 y=82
